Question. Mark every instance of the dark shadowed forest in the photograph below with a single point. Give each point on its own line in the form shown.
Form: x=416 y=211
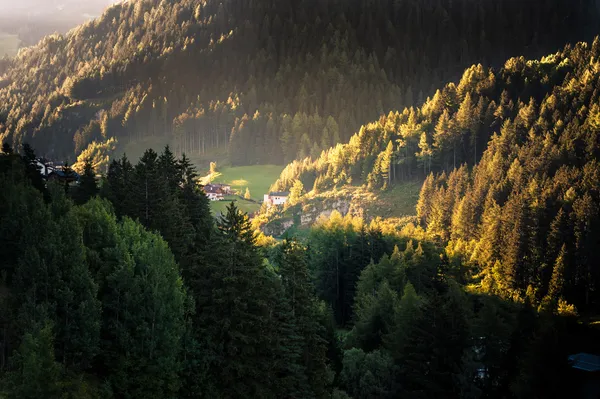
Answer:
x=117 y=279
x=269 y=81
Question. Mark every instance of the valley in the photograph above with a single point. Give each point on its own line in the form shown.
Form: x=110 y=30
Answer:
x=303 y=199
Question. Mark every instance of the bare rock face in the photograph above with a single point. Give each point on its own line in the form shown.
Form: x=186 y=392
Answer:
x=313 y=212
x=278 y=227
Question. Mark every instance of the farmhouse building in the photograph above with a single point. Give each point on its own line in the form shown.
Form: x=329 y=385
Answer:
x=276 y=198
x=215 y=196
x=216 y=192
x=63 y=176
x=216 y=188
x=56 y=173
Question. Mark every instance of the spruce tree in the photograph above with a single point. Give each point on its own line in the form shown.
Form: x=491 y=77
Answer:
x=299 y=292
x=87 y=188
x=234 y=313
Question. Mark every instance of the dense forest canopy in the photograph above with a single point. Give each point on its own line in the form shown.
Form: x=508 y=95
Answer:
x=123 y=284
x=512 y=174
x=268 y=80
x=95 y=305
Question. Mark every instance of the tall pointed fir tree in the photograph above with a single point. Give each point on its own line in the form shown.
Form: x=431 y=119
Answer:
x=87 y=187
x=234 y=314
x=299 y=292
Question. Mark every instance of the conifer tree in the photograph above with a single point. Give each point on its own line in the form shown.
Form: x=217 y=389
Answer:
x=234 y=314
x=87 y=187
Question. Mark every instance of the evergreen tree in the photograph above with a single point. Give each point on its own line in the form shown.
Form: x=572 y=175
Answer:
x=87 y=187
x=234 y=315
x=35 y=374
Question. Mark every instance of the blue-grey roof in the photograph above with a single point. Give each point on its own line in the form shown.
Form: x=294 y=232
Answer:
x=585 y=362
x=279 y=194
x=62 y=173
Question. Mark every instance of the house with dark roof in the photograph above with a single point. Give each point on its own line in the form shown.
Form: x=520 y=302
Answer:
x=63 y=176
x=56 y=173
x=276 y=198
x=217 y=188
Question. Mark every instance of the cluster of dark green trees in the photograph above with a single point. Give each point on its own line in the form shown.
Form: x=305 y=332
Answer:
x=133 y=290
x=111 y=299
x=411 y=328
x=511 y=194
x=270 y=80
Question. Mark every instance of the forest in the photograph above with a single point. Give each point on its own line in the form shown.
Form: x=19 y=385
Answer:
x=109 y=292
x=125 y=285
x=269 y=81
x=512 y=173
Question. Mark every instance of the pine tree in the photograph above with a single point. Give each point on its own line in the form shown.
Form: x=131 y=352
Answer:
x=143 y=315
x=405 y=314
x=32 y=170
x=87 y=187
x=555 y=286
x=149 y=190
x=425 y=200
x=296 y=192
x=299 y=291
x=231 y=293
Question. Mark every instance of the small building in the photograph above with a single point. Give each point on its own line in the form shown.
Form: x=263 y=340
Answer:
x=215 y=196
x=276 y=198
x=62 y=176
x=44 y=167
x=217 y=188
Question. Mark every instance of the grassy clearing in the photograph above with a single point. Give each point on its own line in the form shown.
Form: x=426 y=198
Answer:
x=401 y=200
x=9 y=44
x=218 y=207
x=398 y=202
x=258 y=178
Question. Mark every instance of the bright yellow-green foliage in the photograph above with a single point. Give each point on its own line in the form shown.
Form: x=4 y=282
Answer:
x=9 y=44
x=257 y=178
x=98 y=154
x=397 y=202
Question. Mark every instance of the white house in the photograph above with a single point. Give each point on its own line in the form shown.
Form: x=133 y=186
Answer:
x=276 y=198
x=45 y=168
x=215 y=196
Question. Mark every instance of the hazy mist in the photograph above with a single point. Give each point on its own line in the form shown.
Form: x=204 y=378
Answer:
x=61 y=9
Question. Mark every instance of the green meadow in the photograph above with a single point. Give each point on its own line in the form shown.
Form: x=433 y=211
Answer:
x=219 y=207
x=257 y=178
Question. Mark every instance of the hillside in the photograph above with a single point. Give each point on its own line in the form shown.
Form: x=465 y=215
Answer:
x=132 y=288
x=512 y=164
x=272 y=80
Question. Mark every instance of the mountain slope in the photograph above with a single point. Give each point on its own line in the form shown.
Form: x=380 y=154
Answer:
x=512 y=159
x=271 y=80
